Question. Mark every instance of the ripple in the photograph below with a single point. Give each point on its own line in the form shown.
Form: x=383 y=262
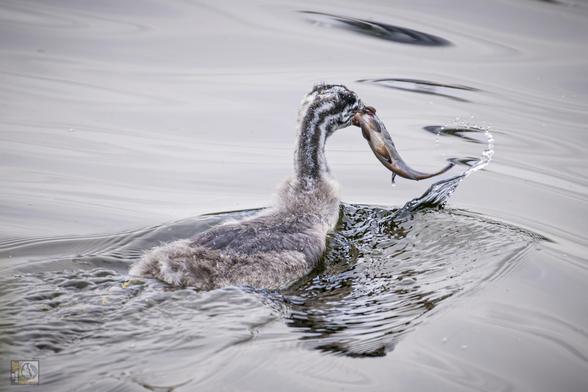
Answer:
x=545 y=327
x=69 y=311
x=444 y=90
x=70 y=90
x=378 y=30
x=52 y=18
x=86 y=252
x=403 y=270
x=459 y=132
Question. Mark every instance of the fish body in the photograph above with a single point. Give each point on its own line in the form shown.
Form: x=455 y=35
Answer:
x=382 y=145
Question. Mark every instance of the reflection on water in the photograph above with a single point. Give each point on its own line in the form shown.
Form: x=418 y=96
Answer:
x=378 y=30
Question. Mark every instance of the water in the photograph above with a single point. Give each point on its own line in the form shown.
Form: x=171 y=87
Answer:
x=122 y=124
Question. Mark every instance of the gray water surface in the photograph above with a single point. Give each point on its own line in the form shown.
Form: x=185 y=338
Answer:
x=124 y=125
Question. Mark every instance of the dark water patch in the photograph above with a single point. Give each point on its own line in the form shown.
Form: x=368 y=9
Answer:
x=467 y=162
x=444 y=90
x=557 y=2
x=461 y=132
x=378 y=30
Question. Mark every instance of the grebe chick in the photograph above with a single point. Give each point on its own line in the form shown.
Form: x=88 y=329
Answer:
x=283 y=243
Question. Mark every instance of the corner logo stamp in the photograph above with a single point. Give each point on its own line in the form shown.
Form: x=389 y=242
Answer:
x=24 y=372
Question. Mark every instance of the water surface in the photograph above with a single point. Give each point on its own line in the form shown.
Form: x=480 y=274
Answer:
x=122 y=124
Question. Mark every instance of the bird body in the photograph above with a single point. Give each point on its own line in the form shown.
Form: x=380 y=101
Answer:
x=269 y=250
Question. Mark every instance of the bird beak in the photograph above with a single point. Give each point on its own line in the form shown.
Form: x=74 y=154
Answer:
x=383 y=147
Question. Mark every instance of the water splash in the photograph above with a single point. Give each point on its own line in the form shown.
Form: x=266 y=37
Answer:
x=439 y=193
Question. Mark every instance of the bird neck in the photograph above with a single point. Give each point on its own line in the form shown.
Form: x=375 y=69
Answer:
x=316 y=122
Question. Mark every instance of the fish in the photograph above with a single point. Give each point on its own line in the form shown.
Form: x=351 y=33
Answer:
x=382 y=145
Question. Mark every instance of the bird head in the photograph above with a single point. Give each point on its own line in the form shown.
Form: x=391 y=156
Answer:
x=333 y=104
